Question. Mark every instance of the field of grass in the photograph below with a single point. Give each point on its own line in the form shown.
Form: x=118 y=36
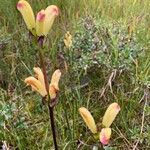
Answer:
x=119 y=76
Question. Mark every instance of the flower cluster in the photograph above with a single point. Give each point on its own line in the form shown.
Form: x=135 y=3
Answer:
x=109 y=116
x=40 y=25
x=38 y=84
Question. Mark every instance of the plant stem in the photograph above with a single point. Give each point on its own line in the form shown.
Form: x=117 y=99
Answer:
x=51 y=109
x=51 y=113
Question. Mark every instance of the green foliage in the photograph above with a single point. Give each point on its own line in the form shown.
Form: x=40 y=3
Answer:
x=100 y=43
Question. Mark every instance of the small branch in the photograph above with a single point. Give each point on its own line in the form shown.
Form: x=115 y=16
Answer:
x=125 y=139
x=143 y=119
x=109 y=84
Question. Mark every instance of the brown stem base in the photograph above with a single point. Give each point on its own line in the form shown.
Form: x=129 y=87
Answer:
x=51 y=109
x=51 y=114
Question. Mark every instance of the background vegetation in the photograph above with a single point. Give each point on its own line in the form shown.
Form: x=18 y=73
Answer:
x=121 y=74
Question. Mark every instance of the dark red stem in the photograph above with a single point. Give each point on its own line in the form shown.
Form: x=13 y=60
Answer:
x=51 y=109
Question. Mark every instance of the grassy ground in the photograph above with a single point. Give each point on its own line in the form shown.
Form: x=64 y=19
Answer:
x=24 y=122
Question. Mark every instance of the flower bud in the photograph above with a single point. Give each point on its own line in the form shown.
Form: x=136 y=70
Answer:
x=40 y=21
x=51 y=12
x=27 y=14
x=105 y=135
x=110 y=114
x=89 y=120
x=53 y=87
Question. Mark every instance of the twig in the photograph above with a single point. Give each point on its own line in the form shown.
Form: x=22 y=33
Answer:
x=143 y=119
x=109 y=83
x=126 y=140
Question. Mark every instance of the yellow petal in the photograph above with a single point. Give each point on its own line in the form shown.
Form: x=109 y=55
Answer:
x=39 y=75
x=36 y=85
x=40 y=21
x=52 y=92
x=89 y=120
x=51 y=12
x=55 y=79
x=105 y=135
x=27 y=14
x=110 y=114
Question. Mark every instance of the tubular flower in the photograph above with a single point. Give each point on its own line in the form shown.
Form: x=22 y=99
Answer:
x=51 y=12
x=27 y=14
x=105 y=135
x=38 y=84
x=53 y=87
x=44 y=18
x=40 y=19
x=68 y=40
x=89 y=120
x=39 y=75
x=110 y=114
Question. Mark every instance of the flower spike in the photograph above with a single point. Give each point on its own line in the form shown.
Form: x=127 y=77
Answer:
x=105 y=135
x=27 y=14
x=44 y=19
x=110 y=114
x=38 y=83
x=89 y=120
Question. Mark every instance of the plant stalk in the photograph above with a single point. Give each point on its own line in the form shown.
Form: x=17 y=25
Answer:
x=51 y=109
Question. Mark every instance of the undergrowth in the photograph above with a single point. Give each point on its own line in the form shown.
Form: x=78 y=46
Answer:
x=108 y=61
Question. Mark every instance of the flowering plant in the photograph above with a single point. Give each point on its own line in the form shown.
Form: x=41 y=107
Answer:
x=109 y=116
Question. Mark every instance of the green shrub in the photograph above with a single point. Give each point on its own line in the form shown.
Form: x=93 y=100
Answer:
x=98 y=43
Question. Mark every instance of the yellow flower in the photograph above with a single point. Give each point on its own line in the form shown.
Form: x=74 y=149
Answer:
x=105 y=135
x=44 y=18
x=68 y=40
x=27 y=14
x=53 y=87
x=40 y=19
x=51 y=12
x=89 y=120
x=110 y=114
x=38 y=84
